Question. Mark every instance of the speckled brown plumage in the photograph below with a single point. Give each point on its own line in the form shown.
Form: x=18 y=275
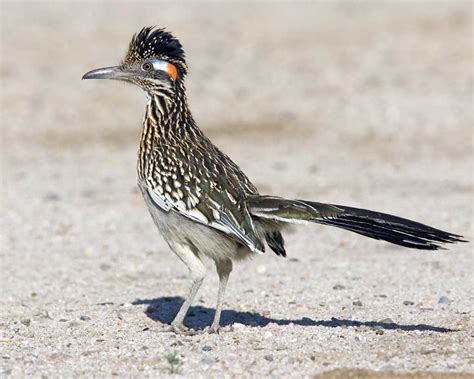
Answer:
x=178 y=164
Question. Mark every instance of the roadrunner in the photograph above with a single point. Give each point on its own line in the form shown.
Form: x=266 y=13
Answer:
x=201 y=201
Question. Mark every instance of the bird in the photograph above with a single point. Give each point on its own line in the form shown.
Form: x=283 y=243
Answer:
x=201 y=201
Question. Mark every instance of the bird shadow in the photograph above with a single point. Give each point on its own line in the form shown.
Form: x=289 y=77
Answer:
x=164 y=309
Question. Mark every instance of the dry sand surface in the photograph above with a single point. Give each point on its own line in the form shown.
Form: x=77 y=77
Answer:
x=361 y=104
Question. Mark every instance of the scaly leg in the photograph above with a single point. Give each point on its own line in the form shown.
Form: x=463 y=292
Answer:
x=224 y=268
x=198 y=272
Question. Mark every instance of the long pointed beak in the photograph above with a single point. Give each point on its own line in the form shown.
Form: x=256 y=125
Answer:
x=115 y=73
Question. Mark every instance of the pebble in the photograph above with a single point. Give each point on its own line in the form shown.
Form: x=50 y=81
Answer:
x=387 y=321
x=206 y=348
x=268 y=357
x=427 y=351
x=52 y=196
x=89 y=352
x=444 y=300
x=89 y=252
x=85 y=318
x=105 y=267
x=238 y=325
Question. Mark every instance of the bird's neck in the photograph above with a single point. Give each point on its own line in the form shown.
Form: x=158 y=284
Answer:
x=167 y=122
x=168 y=116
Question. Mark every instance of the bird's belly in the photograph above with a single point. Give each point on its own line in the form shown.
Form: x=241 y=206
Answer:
x=203 y=239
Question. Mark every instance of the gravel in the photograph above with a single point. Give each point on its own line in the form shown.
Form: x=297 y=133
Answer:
x=365 y=104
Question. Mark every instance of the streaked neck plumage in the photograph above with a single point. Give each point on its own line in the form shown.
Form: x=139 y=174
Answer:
x=167 y=122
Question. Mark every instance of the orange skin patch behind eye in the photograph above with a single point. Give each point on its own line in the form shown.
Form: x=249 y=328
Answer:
x=171 y=70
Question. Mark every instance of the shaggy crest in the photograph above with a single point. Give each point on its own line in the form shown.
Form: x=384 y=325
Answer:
x=155 y=42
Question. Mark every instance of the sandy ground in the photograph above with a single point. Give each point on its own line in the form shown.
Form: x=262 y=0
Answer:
x=366 y=105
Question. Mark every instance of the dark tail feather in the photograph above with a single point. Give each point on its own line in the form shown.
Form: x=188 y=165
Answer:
x=390 y=228
x=371 y=224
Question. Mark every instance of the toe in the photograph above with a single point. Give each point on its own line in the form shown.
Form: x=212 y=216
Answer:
x=214 y=329
x=177 y=329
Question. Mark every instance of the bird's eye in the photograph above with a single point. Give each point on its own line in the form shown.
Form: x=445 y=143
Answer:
x=147 y=66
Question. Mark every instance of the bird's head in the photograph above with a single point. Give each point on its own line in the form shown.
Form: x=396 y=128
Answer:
x=154 y=61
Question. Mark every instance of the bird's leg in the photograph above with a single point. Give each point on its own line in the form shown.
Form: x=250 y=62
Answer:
x=197 y=272
x=224 y=268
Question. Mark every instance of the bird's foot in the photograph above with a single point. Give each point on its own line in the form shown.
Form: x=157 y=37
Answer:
x=179 y=330
x=213 y=329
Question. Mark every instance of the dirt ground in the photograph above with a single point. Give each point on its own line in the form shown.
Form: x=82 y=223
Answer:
x=365 y=104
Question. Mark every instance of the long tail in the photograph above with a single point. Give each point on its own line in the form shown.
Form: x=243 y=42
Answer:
x=371 y=224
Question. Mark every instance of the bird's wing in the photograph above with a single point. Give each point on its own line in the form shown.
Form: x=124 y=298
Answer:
x=215 y=197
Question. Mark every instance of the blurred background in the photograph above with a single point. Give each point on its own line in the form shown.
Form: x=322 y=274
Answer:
x=360 y=103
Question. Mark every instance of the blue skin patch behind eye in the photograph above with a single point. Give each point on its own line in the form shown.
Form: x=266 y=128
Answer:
x=159 y=65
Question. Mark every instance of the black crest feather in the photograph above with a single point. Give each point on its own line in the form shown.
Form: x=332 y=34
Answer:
x=155 y=42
